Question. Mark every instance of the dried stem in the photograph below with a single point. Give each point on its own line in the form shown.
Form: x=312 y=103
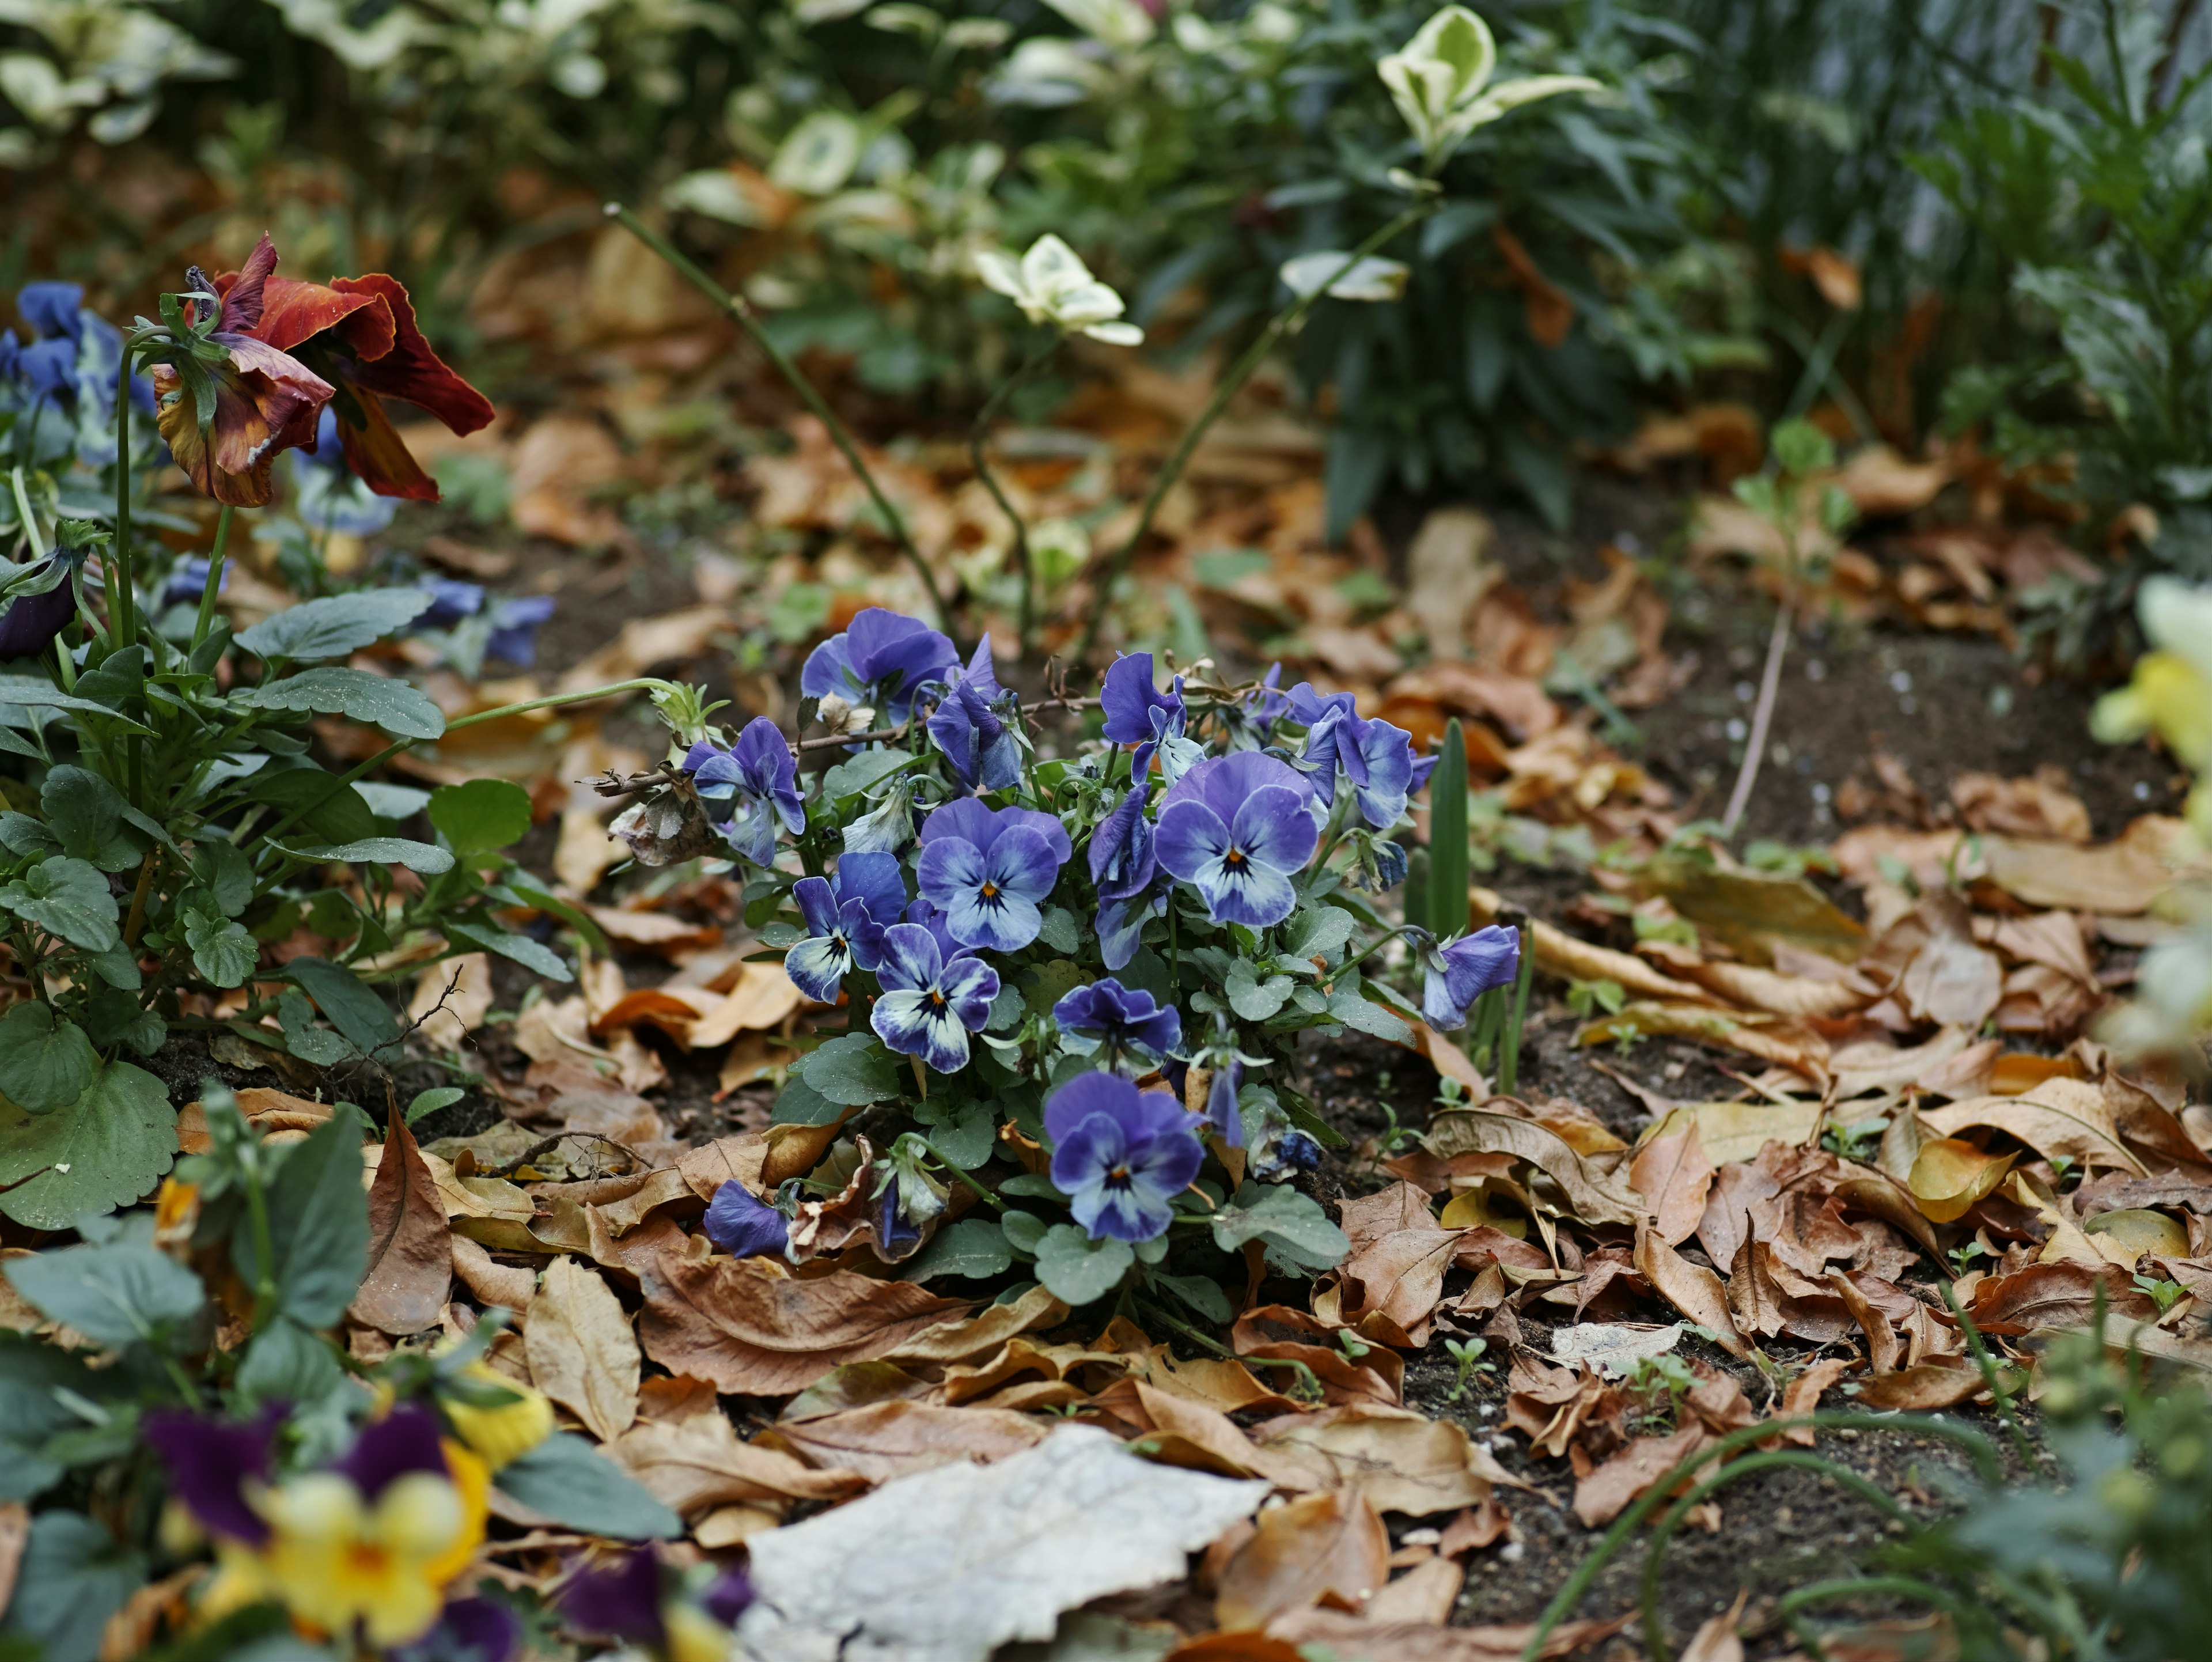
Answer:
x=1770 y=684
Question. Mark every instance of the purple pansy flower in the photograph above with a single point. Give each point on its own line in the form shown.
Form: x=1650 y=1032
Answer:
x=187 y=582
x=451 y=599
x=406 y=1439
x=989 y=869
x=1239 y=827
x=1120 y=1018
x=1122 y=868
x=930 y=1004
x=467 y=1630
x=923 y=916
x=31 y=619
x=978 y=743
x=1121 y=1155
x=1375 y=758
x=898 y=1236
x=1139 y=714
x=623 y=1602
x=514 y=626
x=846 y=914
x=1461 y=971
x=745 y=1226
x=882 y=660
x=211 y=1461
x=1221 y=1111
x=52 y=309
x=757 y=777
x=730 y=1598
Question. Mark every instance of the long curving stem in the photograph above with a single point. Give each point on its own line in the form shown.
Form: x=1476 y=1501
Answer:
x=1283 y=322
x=206 y=620
x=737 y=307
x=977 y=437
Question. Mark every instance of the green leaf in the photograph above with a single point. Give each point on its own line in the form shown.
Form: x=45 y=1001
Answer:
x=800 y=1103
x=1290 y=1225
x=222 y=951
x=531 y=954
x=117 y=1295
x=1360 y=1014
x=1078 y=1269
x=68 y=898
x=857 y=774
x=227 y=875
x=286 y=1363
x=105 y=1150
x=392 y=801
x=566 y=1479
x=853 y=1070
x=427 y=858
x=331 y=628
x=305 y=1040
x=481 y=815
x=973 y=1248
x=45 y=1064
x=1449 y=845
x=968 y=1140
x=428 y=1102
x=113 y=1018
x=30 y=692
x=73 y=1577
x=1024 y=1231
x=34 y=1409
x=318 y=1227
x=1320 y=932
x=1202 y=1295
x=352 y=1007
x=329 y=812
x=400 y=709
x=1252 y=999
x=85 y=814
x=1060 y=930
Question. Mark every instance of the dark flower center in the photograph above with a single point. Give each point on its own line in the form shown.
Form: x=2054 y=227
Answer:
x=937 y=998
x=1233 y=859
x=990 y=891
x=1119 y=1176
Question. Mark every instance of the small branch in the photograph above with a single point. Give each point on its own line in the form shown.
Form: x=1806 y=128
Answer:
x=743 y=313
x=1770 y=684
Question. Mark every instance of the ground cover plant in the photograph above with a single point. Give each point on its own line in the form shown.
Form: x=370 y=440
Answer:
x=743 y=918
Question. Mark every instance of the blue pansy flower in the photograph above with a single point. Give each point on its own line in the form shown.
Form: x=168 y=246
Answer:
x=846 y=914
x=1121 y=1155
x=514 y=626
x=1122 y=868
x=742 y=1224
x=930 y=1003
x=1374 y=757
x=1239 y=827
x=882 y=660
x=978 y=743
x=54 y=309
x=757 y=777
x=1120 y=1020
x=990 y=869
x=451 y=600
x=327 y=495
x=1137 y=712
x=187 y=582
x=1221 y=1111
x=1461 y=971
x=924 y=915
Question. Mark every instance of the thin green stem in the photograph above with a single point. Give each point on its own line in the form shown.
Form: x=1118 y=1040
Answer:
x=977 y=436
x=1282 y=324
x=743 y=313
x=982 y=1193
x=24 y=517
x=123 y=626
x=206 y=620
x=1509 y=1049
x=2000 y=1393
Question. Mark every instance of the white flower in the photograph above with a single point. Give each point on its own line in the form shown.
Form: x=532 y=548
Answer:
x=1441 y=82
x=1372 y=278
x=1053 y=285
x=820 y=154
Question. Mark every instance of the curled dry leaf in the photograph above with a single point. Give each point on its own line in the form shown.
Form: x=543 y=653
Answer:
x=754 y=1330
x=1602 y=1496
x=411 y=1256
x=1930 y=1384
x=948 y=1565
x=493 y=1283
x=1786 y=1044
x=1748 y=911
x=582 y=1353
x=2067 y=1117
x=1356 y=1640
x=1466 y=1131
x=2120 y=879
x=1673 y=1176
x=1950 y=1177
x=1424 y=1596
x=2063 y=1294
x=697 y=1463
x=1730 y=1132
x=1560 y=954
x=1330 y=1547
x=897 y=1438
x=1401 y=1461
x=1691 y=1289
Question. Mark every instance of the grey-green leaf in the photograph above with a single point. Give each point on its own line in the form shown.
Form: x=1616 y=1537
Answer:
x=853 y=1070
x=74 y=1576
x=222 y=949
x=108 y=1149
x=427 y=858
x=481 y=815
x=45 y=1063
x=399 y=708
x=1290 y=1224
x=67 y=898
x=973 y=1248
x=318 y=1227
x=117 y=1295
x=531 y=954
x=566 y=1479
x=333 y=627
x=353 y=1008
x=1078 y=1270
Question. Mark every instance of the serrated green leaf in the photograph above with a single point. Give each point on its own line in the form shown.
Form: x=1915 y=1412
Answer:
x=856 y=773
x=481 y=815
x=106 y=1149
x=318 y=1227
x=1024 y=1231
x=67 y=898
x=973 y=1248
x=85 y=815
x=222 y=951
x=333 y=627
x=1253 y=999
x=46 y=1063
x=379 y=701
x=330 y=811
x=1354 y=1010
x=29 y=693
x=1321 y=932
x=1078 y=1270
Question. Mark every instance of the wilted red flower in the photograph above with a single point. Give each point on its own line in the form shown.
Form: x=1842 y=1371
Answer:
x=360 y=334
x=265 y=400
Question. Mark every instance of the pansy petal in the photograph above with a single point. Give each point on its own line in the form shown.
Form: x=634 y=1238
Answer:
x=1258 y=897
x=911 y=959
x=1084 y=1095
x=1274 y=829
x=411 y=369
x=1190 y=838
x=875 y=881
x=816 y=967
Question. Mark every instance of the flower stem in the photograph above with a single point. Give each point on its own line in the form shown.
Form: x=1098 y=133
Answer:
x=737 y=307
x=206 y=620
x=122 y=627
x=977 y=436
x=1282 y=324
x=1509 y=1049
x=24 y=517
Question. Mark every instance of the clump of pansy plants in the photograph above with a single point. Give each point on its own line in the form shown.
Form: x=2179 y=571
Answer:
x=1068 y=991
x=169 y=820
x=206 y=1430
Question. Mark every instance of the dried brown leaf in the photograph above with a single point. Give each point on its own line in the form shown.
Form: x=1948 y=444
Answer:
x=410 y=1254
x=692 y=1465
x=1673 y=1176
x=1691 y=1289
x=582 y=1353
x=1602 y=1496
x=1330 y=1546
x=896 y=1439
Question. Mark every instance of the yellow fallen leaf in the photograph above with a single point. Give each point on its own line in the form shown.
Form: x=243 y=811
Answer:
x=1949 y=1177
